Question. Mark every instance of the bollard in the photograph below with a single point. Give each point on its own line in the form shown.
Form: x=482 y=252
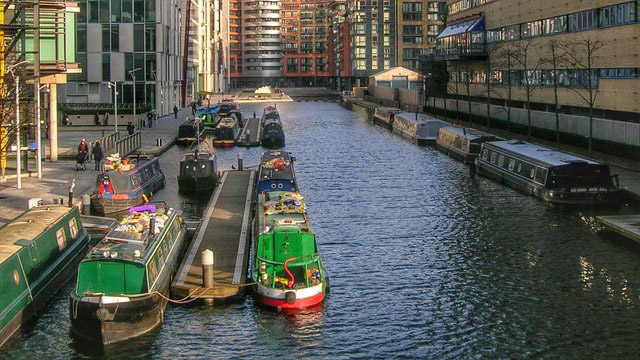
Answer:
x=207 y=272
x=240 y=162
x=86 y=204
x=254 y=114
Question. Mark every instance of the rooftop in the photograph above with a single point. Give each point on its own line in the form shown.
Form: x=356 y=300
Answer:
x=541 y=153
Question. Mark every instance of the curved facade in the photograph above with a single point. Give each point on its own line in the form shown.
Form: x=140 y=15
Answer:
x=261 y=38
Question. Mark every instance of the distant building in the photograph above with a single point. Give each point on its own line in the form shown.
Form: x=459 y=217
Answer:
x=484 y=44
x=115 y=37
x=339 y=44
x=418 y=25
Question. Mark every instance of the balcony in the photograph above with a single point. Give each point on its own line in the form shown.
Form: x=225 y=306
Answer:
x=462 y=41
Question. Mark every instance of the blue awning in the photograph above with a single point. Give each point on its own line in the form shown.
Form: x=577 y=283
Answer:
x=473 y=25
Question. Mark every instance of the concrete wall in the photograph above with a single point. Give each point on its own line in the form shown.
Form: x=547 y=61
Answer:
x=610 y=130
x=383 y=93
x=123 y=120
x=409 y=97
x=359 y=91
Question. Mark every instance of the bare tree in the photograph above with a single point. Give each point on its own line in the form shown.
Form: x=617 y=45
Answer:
x=456 y=81
x=557 y=60
x=504 y=58
x=467 y=84
x=531 y=62
x=580 y=57
x=8 y=110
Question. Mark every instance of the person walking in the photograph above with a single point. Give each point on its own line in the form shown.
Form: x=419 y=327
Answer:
x=149 y=118
x=175 y=111
x=97 y=155
x=130 y=128
x=96 y=118
x=83 y=148
x=65 y=119
x=105 y=119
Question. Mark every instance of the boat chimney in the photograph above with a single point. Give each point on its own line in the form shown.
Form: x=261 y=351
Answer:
x=152 y=226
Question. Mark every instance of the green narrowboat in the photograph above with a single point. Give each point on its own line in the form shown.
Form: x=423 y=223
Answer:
x=39 y=251
x=123 y=283
x=288 y=270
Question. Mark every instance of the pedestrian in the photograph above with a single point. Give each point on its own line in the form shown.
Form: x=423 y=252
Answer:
x=96 y=118
x=105 y=119
x=175 y=111
x=149 y=118
x=83 y=149
x=130 y=128
x=97 y=155
x=193 y=108
x=65 y=119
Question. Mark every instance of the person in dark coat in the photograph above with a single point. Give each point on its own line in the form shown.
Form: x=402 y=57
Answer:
x=65 y=119
x=96 y=118
x=149 y=119
x=130 y=128
x=105 y=119
x=175 y=111
x=97 y=155
x=83 y=149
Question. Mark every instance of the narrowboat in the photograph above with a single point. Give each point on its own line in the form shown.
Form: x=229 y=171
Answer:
x=288 y=271
x=210 y=120
x=227 y=132
x=551 y=175
x=276 y=172
x=272 y=134
x=385 y=116
x=462 y=143
x=123 y=283
x=119 y=190
x=39 y=252
x=228 y=108
x=198 y=171
x=420 y=128
x=188 y=131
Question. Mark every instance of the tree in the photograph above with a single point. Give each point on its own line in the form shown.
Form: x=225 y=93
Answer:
x=556 y=60
x=504 y=58
x=581 y=56
x=456 y=81
x=532 y=75
x=468 y=74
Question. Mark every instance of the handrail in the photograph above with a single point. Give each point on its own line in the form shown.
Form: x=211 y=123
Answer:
x=316 y=257
x=107 y=142
x=129 y=144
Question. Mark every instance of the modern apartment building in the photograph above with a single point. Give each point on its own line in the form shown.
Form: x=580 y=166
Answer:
x=339 y=44
x=206 y=60
x=418 y=25
x=132 y=43
x=373 y=37
x=522 y=51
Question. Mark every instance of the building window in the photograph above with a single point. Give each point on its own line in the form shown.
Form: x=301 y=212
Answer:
x=138 y=37
x=620 y=73
x=138 y=10
x=531 y=29
x=81 y=38
x=150 y=38
x=584 y=20
x=150 y=66
x=116 y=15
x=106 y=67
x=292 y=65
x=127 y=11
x=93 y=11
x=150 y=11
x=617 y=14
x=104 y=11
x=115 y=37
x=555 y=25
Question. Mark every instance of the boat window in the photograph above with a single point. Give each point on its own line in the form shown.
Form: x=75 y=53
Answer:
x=512 y=164
x=501 y=161
x=61 y=238
x=73 y=228
x=133 y=180
x=493 y=157
x=485 y=154
x=541 y=175
x=520 y=167
x=153 y=272
x=532 y=173
x=160 y=253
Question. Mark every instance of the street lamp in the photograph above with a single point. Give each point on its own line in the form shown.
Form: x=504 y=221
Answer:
x=18 y=145
x=132 y=73
x=39 y=131
x=115 y=100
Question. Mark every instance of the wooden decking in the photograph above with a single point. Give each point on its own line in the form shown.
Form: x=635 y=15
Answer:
x=253 y=125
x=625 y=225
x=225 y=230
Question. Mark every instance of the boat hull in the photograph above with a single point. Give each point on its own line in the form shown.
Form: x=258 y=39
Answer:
x=105 y=206
x=272 y=141
x=277 y=299
x=224 y=143
x=194 y=184
x=467 y=158
x=58 y=274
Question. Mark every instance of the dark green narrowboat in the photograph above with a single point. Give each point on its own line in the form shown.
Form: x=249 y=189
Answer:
x=123 y=284
x=39 y=251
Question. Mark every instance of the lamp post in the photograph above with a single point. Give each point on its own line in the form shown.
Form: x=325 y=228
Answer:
x=39 y=129
x=132 y=73
x=18 y=145
x=115 y=101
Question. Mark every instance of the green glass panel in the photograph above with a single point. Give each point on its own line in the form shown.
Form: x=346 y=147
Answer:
x=93 y=11
x=81 y=36
x=116 y=15
x=106 y=38
x=104 y=11
x=127 y=11
x=150 y=10
x=82 y=15
x=138 y=37
x=150 y=62
x=150 y=38
x=115 y=37
x=106 y=67
x=138 y=10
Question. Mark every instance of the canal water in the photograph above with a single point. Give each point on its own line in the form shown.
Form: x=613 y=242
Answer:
x=425 y=261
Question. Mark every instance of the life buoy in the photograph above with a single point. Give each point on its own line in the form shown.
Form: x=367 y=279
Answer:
x=290 y=296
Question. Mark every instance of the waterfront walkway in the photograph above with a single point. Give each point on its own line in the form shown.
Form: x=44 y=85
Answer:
x=225 y=230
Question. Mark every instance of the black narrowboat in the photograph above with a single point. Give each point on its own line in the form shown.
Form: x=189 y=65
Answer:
x=551 y=175
x=188 y=131
x=227 y=132
x=119 y=190
x=462 y=143
x=276 y=172
x=198 y=171
x=272 y=134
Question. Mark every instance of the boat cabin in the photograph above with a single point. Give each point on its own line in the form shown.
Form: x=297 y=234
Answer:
x=115 y=184
x=276 y=172
x=463 y=143
x=227 y=129
x=198 y=163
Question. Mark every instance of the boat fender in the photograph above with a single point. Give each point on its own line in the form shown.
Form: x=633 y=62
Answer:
x=144 y=197
x=103 y=314
x=290 y=296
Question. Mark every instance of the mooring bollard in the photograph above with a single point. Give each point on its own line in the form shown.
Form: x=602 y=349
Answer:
x=254 y=114
x=240 y=162
x=207 y=272
x=159 y=142
x=86 y=204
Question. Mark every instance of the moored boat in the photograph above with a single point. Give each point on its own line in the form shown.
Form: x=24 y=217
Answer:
x=188 y=131
x=462 y=143
x=198 y=171
x=276 y=172
x=272 y=134
x=288 y=270
x=119 y=190
x=551 y=175
x=227 y=132
x=123 y=283
x=39 y=252
x=385 y=116
x=421 y=128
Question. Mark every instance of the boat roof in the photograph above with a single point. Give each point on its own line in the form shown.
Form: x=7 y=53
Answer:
x=422 y=118
x=540 y=153
x=28 y=226
x=285 y=211
x=469 y=133
x=131 y=238
x=227 y=122
x=384 y=110
x=267 y=171
x=202 y=155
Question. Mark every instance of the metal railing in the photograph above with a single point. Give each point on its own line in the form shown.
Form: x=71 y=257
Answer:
x=108 y=143
x=129 y=144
